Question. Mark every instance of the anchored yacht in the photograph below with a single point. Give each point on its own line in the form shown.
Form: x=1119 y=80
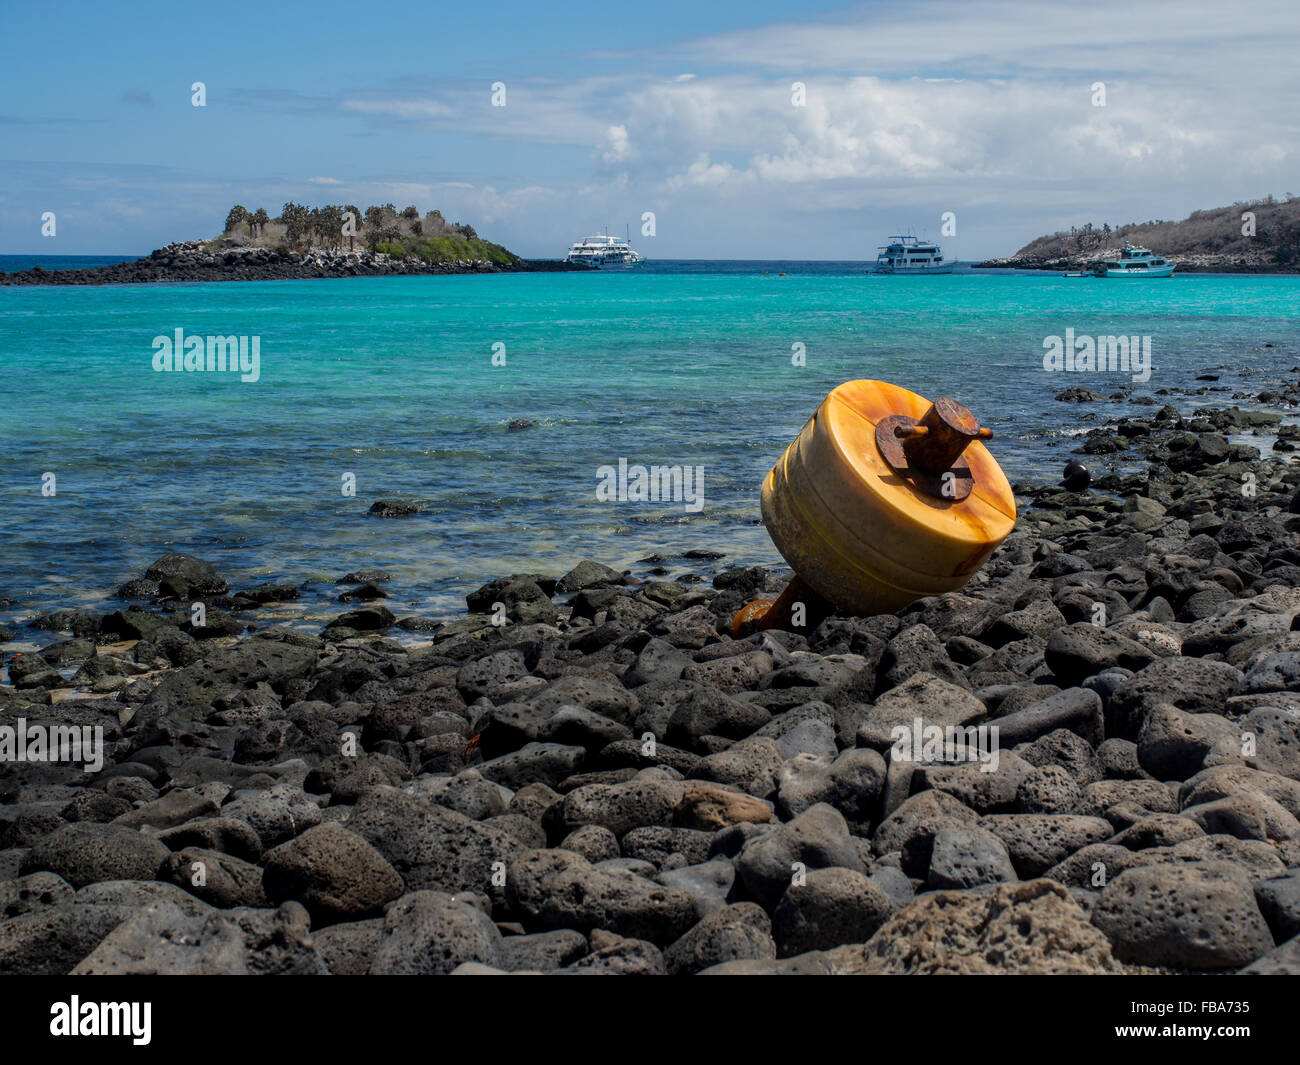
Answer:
x=907 y=255
x=1134 y=262
x=603 y=251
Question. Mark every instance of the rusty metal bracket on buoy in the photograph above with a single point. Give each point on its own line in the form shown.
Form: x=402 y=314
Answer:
x=868 y=541
x=928 y=451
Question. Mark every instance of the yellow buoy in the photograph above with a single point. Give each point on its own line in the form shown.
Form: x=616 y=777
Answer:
x=884 y=498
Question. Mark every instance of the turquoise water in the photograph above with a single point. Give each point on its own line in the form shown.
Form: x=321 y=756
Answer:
x=392 y=380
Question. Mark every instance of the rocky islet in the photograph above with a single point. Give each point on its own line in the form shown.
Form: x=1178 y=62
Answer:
x=193 y=261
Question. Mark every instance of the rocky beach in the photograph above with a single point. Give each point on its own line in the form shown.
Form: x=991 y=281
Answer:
x=587 y=773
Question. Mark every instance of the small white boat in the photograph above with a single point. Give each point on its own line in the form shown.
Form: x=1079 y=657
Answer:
x=602 y=252
x=907 y=255
x=1134 y=262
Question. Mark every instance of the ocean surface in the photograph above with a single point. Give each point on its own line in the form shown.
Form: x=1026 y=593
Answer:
x=12 y=264
x=392 y=381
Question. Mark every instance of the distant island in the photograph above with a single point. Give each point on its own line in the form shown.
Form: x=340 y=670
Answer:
x=1218 y=240
x=309 y=242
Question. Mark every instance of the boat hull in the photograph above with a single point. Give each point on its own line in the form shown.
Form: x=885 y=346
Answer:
x=1165 y=270
x=592 y=264
x=916 y=271
x=1155 y=271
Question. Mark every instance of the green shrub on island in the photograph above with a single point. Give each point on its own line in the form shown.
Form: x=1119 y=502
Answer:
x=450 y=249
x=447 y=250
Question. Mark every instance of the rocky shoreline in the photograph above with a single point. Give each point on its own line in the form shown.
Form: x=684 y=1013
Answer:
x=1186 y=264
x=610 y=783
x=192 y=261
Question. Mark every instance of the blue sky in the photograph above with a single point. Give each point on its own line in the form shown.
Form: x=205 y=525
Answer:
x=684 y=109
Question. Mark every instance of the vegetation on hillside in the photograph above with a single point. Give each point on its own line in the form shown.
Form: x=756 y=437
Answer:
x=403 y=234
x=1216 y=231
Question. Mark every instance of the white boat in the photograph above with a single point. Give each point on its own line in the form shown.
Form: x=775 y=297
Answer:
x=907 y=255
x=602 y=252
x=1134 y=262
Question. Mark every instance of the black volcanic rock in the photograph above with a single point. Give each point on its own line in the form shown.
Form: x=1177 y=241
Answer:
x=194 y=261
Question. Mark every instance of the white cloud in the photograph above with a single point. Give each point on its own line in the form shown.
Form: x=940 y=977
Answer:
x=1009 y=37
x=618 y=144
x=404 y=109
x=702 y=172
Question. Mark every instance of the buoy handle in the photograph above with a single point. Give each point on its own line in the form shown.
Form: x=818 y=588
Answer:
x=944 y=431
x=904 y=432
